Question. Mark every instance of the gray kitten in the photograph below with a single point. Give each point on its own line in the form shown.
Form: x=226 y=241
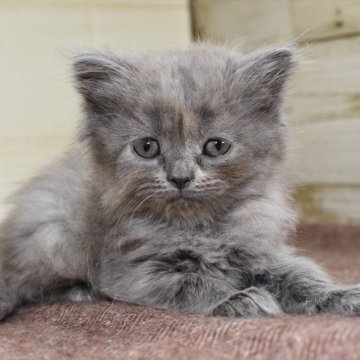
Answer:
x=176 y=196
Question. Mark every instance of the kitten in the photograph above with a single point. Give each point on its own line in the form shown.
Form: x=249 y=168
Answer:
x=175 y=197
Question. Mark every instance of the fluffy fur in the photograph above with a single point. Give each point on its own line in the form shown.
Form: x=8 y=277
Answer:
x=104 y=222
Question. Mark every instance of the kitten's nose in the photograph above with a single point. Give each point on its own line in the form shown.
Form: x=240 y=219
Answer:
x=180 y=182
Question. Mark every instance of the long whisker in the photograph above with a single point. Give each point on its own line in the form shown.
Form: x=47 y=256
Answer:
x=138 y=205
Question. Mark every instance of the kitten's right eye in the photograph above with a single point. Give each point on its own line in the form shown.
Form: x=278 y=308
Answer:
x=147 y=148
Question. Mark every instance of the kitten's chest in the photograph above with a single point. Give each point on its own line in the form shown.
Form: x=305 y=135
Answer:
x=205 y=250
x=209 y=242
x=170 y=252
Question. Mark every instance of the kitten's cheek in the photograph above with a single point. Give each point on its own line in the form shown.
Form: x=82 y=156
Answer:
x=160 y=160
x=233 y=176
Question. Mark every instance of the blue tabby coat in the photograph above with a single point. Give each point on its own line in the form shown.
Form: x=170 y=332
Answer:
x=176 y=195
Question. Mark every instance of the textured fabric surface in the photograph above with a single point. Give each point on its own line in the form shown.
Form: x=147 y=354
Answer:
x=124 y=331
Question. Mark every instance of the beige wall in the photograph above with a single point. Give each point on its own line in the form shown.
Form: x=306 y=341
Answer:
x=39 y=109
x=324 y=106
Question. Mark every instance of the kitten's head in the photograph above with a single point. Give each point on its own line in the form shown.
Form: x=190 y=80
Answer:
x=183 y=136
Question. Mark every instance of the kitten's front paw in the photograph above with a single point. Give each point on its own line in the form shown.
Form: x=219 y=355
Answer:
x=252 y=302
x=344 y=301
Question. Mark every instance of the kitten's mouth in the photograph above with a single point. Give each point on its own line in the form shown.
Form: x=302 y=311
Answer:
x=182 y=196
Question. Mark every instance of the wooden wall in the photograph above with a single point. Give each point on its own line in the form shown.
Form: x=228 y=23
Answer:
x=39 y=110
x=324 y=103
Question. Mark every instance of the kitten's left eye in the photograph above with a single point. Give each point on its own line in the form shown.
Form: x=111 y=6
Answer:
x=216 y=147
x=147 y=148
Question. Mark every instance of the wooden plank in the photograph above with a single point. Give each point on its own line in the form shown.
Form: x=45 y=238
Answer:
x=156 y=27
x=316 y=20
x=329 y=68
x=329 y=203
x=324 y=108
x=328 y=152
x=121 y=3
x=253 y=22
x=317 y=107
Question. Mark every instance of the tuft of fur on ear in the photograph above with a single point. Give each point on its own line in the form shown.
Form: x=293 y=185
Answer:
x=99 y=77
x=261 y=77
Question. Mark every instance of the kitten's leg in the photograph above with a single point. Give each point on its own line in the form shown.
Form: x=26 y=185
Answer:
x=43 y=247
x=36 y=263
x=301 y=286
x=251 y=302
x=172 y=285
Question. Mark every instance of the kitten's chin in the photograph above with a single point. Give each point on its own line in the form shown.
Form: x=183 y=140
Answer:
x=184 y=209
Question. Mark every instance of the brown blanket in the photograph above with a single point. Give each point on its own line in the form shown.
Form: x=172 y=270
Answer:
x=124 y=331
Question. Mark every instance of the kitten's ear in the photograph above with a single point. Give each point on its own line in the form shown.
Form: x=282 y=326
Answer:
x=261 y=77
x=98 y=77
